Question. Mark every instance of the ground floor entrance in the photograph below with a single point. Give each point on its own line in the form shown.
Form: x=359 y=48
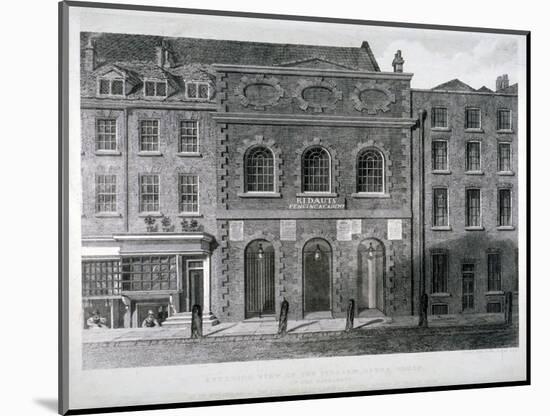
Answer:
x=317 y=276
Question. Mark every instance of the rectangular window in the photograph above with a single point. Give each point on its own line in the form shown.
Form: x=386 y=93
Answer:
x=493 y=272
x=439 y=273
x=111 y=86
x=149 y=193
x=504 y=119
x=105 y=134
x=189 y=136
x=473 y=118
x=439 y=155
x=440 y=207
x=149 y=273
x=504 y=157
x=494 y=307
x=439 y=117
x=188 y=193
x=105 y=193
x=440 y=309
x=468 y=286
x=155 y=88
x=473 y=208
x=197 y=90
x=149 y=136
x=473 y=156
x=100 y=278
x=504 y=207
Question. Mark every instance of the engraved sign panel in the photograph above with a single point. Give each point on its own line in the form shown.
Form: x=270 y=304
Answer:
x=288 y=230
x=356 y=226
x=395 y=229
x=236 y=230
x=343 y=230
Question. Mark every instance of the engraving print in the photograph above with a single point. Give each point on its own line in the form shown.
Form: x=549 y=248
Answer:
x=247 y=200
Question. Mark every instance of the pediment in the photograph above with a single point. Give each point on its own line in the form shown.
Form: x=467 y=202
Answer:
x=317 y=63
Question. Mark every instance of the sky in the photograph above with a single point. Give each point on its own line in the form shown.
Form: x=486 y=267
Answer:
x=433 y=56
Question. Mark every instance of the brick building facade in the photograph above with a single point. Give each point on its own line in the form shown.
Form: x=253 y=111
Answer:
x=237 y=174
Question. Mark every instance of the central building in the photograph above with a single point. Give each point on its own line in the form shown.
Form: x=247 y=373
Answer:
x=314 y=185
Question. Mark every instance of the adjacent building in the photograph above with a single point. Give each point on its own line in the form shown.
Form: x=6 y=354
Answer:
x=234 y=175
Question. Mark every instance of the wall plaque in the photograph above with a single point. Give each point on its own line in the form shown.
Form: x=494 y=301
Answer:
x=356 y=226
x=343 y=230
x=288 y=230
x=236 y=230
x=395 y=229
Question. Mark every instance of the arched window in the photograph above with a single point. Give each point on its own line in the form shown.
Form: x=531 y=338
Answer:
x=316 y=170
x=259 y=282
x=370 y=171
x=259 y=170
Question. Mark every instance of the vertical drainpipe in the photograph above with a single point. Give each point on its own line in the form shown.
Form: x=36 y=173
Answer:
x=421 y=213
x=127 y=179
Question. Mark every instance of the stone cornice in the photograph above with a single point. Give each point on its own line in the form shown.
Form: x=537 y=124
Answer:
x=336 y=73
x=99 y=103
x=181 y=237
x=313 y=120
x=428 y=91
x=277 y=214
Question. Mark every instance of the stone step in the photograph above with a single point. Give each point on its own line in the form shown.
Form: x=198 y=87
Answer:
x=183 y=319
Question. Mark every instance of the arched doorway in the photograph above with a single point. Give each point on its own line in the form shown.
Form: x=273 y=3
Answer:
x=259 y=281
x=317 y=267
x=371 y=259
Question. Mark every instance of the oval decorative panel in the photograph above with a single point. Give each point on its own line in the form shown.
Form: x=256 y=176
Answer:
x=372 y=97
x=259 y=91
x=317 y=94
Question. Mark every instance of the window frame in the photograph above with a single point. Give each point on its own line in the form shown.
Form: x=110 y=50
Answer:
x=141 y=210
x=471 y=274
x=432 y=117
x=467 y=224
x=303 y=176
x=180 y=203
x=197 y=130
x=499 y=165
x=246 y=175
x=492 y=281
x=98 y=211
x=148 y=152
x=511 y=128
x=111 y=80
x=382 y=157
x=447 y=217
x=499 y=212
x=446 y=169
x=155 y=81
x=97 y=135
x=197 y=83
x=468 y=168
x=466 y=118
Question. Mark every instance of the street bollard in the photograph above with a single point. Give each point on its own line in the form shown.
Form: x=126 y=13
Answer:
x=423 y=321
x=508 y=301
x=196 y=321
x=350 y=315
x=283 y=318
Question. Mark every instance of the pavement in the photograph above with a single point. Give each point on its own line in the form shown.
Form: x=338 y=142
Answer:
x=260 y=328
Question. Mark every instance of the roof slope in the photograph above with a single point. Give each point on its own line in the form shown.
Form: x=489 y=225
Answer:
x=112 y=47
x=454 y=85
x=512 y=89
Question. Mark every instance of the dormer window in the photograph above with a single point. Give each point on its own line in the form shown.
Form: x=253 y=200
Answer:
x=111 y=86
x=155 y=88
x=197 y=90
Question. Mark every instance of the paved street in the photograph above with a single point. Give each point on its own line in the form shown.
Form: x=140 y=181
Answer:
x=366 y=340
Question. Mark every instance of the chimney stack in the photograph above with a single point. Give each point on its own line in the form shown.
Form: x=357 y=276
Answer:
x=89 y=63
x=164 y=57
x=398 y=62
x=502 y=82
